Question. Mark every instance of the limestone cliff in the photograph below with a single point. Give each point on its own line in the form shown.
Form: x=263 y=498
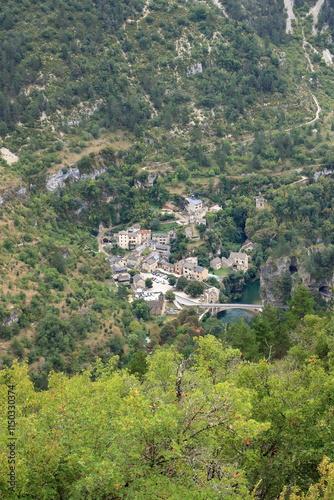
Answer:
x=280 y=277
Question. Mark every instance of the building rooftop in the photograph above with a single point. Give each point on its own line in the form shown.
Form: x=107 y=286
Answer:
x=239 y=255
x=160 y=235
x=119 y=269
x=194 y=267
x=162 y=247
x=137 y=277
x=151 y=260
x=194 y=202
x=123 y=277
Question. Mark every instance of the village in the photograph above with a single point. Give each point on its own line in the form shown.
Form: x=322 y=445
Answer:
x=146 y=267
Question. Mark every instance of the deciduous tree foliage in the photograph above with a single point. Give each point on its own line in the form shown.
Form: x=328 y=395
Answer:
x=182 y=430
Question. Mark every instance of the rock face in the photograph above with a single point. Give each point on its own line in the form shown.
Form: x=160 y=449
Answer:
x=195 y=69
x=280 y=277
x=148 y=183
x=14 y=192
x=325 y=171
x=59 y=179
x=272 y=278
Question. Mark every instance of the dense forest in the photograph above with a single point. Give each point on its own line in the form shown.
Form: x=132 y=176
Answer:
x=109 y=113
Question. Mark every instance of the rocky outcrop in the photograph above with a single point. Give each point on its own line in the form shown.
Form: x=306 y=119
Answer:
x=280 y=277
x=272 y=278
x=72 y=174
x=148 y=183
x=13 y=193
x=325 y=171
x=195 y=69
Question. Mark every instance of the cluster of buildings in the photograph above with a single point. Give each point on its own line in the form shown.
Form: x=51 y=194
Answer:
x=151 y=251
x=148 y=251
x=134 y=237
x=237 y=261
x=186 y=267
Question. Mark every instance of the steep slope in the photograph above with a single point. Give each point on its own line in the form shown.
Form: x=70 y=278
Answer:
x=75 y=67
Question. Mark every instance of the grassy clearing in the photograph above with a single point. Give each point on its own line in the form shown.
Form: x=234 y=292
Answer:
x=222 y=272
x=168 y=226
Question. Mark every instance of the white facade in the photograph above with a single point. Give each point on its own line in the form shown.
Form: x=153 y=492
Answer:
x=194 y=206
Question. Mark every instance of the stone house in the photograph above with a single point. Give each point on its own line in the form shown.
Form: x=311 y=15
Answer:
x=150 y=264
x=162 y=249
x=166 y=266
x=211 y=295
x=194 y=272
x=118 y=269
x=134 y=239
x=138 y=282
x=192 y=260
x=194 y=206
x=162 y=238
x=260 y=203
x=216 y=263
x=237 y=261
x=247 y=247
x=123 y=278
x=116 y=261
x=122 y=239
x=158 y=306
x=145 y=234
x=178 y=266
x=134 y=260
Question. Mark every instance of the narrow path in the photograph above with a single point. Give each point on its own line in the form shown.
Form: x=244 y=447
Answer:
x=102 y=231
x=220 y=6
x=305 y=52
x=317 y=115
x=144 y=14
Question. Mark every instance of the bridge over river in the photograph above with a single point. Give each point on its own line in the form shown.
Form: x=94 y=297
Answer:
x=216 y=308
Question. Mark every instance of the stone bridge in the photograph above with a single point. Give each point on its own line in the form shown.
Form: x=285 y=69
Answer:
x=216 y=308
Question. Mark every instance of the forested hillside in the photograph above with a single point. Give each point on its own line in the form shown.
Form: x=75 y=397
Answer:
x=115 y=115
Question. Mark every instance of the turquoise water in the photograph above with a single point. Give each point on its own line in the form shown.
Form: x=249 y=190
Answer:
x=250 y=295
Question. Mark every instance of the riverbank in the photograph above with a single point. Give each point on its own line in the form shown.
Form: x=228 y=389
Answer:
x=250 y=295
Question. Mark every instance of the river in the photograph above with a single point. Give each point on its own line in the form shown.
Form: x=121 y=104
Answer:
x=250 y=295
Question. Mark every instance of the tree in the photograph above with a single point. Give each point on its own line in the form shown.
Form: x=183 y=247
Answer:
x=182 y=282
x=214 y=327
x=242 y=336
x=195 y=288
x=148 y=283
x=138 y=364
x=301 y=304
x=170 y=295
x=213 y=282
x=140 y=309
x=171 y=280
x=122 y=292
